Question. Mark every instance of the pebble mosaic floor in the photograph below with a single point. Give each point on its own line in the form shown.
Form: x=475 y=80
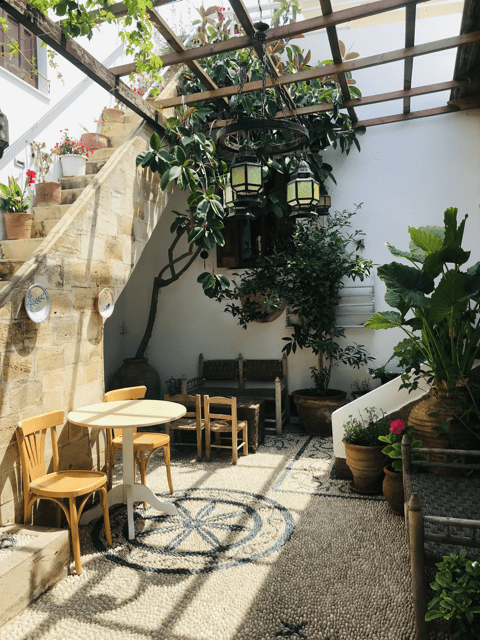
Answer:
x=275 y=547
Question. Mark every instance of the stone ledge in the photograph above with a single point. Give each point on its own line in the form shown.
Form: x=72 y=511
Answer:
x=31 y=567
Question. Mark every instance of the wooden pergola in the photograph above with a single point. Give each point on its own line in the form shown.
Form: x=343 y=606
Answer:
x=464 y=86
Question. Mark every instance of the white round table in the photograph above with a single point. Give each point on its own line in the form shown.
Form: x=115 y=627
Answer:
x=126 y=415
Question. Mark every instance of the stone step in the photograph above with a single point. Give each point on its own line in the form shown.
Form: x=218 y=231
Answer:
x=101 y=154
x=19 y=249
x=115 y=141
x=41 y=228
x=94 y=166
x=76 y=182
x=8 y=268
x=117 y=129
x=53 y=212
x=70 y=195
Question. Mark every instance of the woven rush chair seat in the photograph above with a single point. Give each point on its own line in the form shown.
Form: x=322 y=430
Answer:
x=61 y=487
x=143 y=441
x=192 y=421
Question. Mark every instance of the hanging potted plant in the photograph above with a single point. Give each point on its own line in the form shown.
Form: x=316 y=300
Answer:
x=437 y=306
x=73 y=155
x=15 y=205
x=363 y=450
x=47 y=192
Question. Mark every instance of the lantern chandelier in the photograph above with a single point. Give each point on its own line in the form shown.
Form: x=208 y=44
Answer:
x=250 y=137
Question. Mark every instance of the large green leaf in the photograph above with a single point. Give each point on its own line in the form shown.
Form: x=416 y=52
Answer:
x=424 y=240
x=415 y=255
x=384 y=320
x=408 y=282
x=449 y=297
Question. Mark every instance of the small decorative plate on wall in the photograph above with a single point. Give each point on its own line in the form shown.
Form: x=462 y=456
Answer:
x=37 y=303
x=105 y=303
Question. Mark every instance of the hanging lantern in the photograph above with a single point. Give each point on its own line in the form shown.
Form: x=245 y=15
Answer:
x=229 y=197
x=303 y=191
x=324 y=204
x=246 y=173
x=239 y=206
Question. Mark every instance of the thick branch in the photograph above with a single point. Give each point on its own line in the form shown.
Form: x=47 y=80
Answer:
x=160 y=283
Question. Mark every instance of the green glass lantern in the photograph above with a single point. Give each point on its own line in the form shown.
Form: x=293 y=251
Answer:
x=324 y=204
x=303 y=191
x=246 y=173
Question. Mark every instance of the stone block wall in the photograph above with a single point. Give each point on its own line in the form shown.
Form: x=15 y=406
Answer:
x=58 y=364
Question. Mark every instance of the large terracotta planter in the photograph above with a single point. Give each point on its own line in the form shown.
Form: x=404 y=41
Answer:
x=135 y=372
x=18 y=225
x=366 y=465
x=48 y=193
x=73 y=164
x=393 y=490
x=94 y=140
x=316 y=411
x=113 y=116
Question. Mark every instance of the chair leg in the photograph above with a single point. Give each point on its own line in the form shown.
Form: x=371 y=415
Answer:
x=245 y=439
x=207 y=444
x=74 y=535
x=111 y=463
x=27 y=510
x=166 y=458
x=106 y=515
x=234 y=446
x=143 y=472
x=199 y=445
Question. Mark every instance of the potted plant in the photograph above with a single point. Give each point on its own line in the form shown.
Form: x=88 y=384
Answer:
x=393 y=481
x=15 y=205
x=306 y=275
x=457 y=603
x=363 y=450
x=381 y=373
x=47 y=192
x=94 y=139
x=73 y=155
x=115 y=114
x=437 y=306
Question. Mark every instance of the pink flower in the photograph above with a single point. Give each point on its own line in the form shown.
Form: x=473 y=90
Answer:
x=397 y=426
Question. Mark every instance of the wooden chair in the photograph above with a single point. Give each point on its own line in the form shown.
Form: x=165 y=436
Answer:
x=141 y=441
x=221 y=423
x=192 y=421
x=58 y=486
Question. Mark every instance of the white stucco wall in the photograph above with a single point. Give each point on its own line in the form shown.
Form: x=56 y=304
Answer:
x=407 y=174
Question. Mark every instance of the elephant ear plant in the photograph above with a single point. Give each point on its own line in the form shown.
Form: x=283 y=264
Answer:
x=437 y=305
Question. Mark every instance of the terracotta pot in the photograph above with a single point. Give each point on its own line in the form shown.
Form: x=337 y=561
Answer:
x=113 y=116
x=393 y=490
x=366 y=465
x=18 y=225
x=95 y=140
x=135 y=372
x=316 y=411
x=48 y=193
x=424 y=425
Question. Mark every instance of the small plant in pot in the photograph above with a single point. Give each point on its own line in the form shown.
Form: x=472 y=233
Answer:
x=393 y=481
x=47 y=192
x=360 y=388
x=364 y=451
x=73 y=155
x=15 y=205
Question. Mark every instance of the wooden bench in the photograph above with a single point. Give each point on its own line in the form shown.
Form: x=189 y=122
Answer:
x=245 y=380
x=441 y=513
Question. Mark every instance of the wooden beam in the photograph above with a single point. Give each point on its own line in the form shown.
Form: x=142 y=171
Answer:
x=413 y=115
x=410 y=17
x=320 y=72
x=178 y=46
x=366 y=100
x=326 y=7
x=121 y=9
x=467 y=62
x=285 y=31
x=51 y=33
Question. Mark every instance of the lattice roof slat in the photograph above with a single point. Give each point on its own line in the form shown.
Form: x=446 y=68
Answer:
x=409 y=42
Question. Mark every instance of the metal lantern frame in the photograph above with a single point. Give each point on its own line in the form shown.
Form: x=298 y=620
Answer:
x=303 y=191
x=246 y=173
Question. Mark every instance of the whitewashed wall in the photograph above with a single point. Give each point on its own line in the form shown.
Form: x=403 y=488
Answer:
x=406 y=175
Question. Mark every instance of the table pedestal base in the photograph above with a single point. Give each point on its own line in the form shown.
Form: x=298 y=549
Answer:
x=128 y=494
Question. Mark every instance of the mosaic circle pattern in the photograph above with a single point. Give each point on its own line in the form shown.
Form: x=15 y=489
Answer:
x=215 y=529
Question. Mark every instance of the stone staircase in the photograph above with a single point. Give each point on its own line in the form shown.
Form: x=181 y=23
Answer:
x=14 y=253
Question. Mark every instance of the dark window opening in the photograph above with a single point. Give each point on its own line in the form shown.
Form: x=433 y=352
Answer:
x=24 y=63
